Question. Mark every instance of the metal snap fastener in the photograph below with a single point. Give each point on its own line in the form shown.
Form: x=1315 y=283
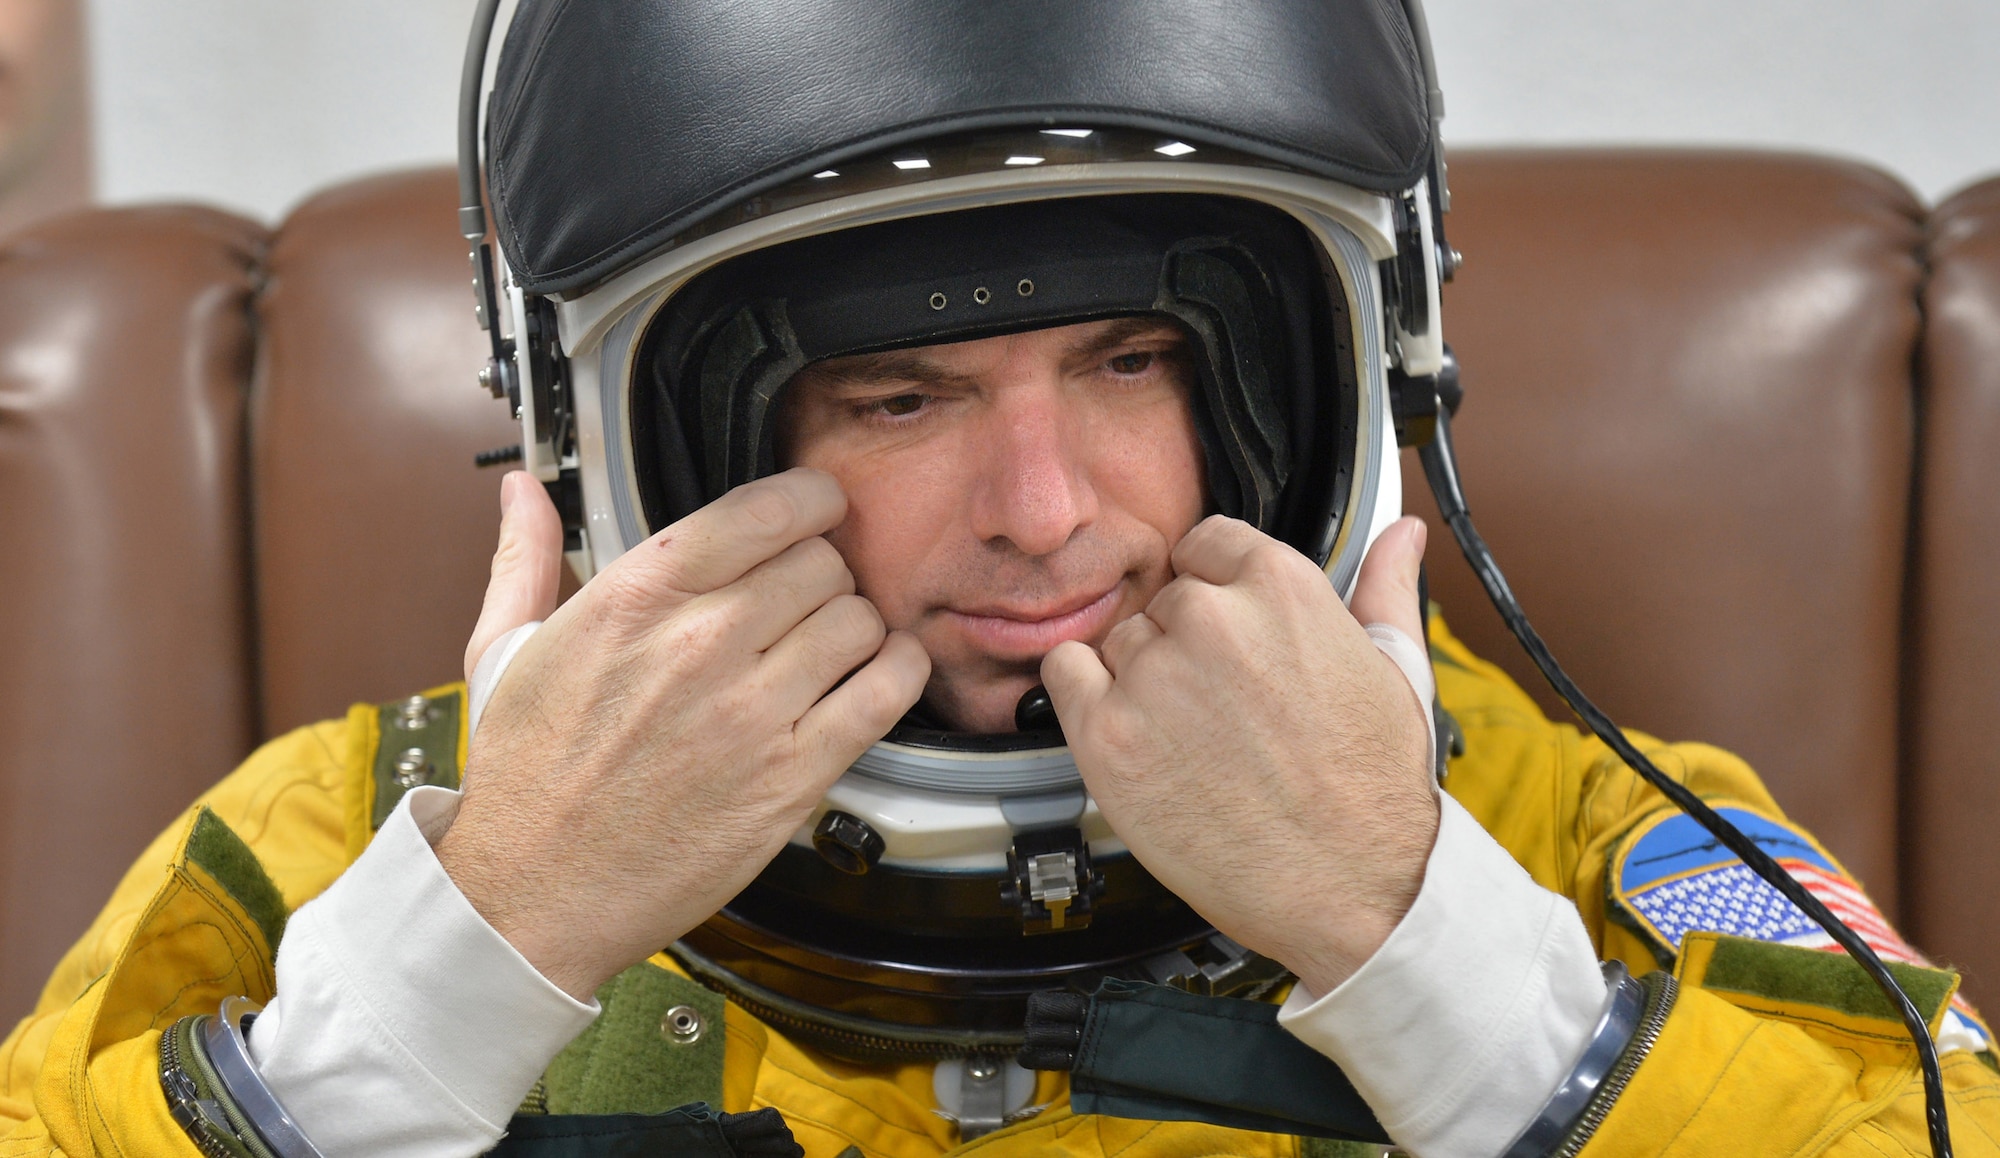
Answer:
x=682 y=1025
x=414 y=713
x=413 y=767
x=937 y=301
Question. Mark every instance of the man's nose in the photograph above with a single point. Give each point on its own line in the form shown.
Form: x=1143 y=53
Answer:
x=1034 y=490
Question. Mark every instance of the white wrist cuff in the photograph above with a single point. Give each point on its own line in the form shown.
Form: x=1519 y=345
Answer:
x=404 y=1025
x=1473 y=1011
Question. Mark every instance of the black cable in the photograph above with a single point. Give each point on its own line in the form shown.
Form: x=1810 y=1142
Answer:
x=1441 y=469
x=471 y=203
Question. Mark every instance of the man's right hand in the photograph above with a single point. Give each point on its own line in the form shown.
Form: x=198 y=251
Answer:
x=653 y=746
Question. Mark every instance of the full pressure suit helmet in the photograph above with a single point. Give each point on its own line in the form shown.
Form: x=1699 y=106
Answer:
x=692 y=200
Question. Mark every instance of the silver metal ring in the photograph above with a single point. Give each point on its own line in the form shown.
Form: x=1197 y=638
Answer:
x=682 y=1025
x=1623 y=1007
x=229 y=1053
x=984 y=773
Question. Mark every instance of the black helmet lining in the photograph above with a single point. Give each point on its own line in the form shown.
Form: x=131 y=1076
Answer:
x=1240 y=278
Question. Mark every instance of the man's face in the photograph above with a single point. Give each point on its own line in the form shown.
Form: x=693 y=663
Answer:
x=1005 y=494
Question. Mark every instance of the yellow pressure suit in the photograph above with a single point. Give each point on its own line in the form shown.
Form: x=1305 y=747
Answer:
x=1767 y=1048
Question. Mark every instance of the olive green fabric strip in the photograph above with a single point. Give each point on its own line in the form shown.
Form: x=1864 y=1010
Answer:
x=1155 y=1053
x=222 y=1124
x=222 y=854
x=1813 y=977
x=631 y=1060
x=1337 y=1148
x=686 y=1132
x=429 y=737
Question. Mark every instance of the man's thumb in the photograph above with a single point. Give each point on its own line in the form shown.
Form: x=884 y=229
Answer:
x=1076 y=679
x=526 y=567
x=1386 y=589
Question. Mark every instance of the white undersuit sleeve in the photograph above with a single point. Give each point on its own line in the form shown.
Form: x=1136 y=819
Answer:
x=403 y=1024
x=1465 y=1021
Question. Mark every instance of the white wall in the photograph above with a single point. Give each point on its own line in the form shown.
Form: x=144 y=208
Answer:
x=254 y=103
x=1911 y=85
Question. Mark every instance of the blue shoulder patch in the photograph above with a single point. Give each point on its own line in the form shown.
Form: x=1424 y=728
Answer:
x=1674 y=878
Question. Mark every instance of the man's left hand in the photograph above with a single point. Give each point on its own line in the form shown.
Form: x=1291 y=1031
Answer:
x=1256 y=752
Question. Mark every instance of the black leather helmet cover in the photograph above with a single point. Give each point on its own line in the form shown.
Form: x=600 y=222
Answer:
x=615 y=125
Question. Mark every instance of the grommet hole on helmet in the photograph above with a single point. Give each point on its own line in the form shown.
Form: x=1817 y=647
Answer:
x=938 y=301
x=1025 y=287
x=981 y=296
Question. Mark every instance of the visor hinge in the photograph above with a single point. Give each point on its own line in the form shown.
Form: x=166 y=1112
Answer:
x=1404 y=273
x=1051 y=879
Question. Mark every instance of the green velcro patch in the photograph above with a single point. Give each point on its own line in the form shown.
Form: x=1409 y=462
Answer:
x=1800 y=982
x=638 y=1056
x=418 y=746
x=1337 y=1148
x=215 y=847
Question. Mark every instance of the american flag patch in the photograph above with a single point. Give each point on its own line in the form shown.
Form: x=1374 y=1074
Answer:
x=1673 y=878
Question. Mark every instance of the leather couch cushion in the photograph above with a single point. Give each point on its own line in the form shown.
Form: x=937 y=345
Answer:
x=1953 y=695
x=373 y=528
x=125 y=647
x=1686 y=436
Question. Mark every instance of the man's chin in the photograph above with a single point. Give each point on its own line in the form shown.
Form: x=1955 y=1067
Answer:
x=986 y=707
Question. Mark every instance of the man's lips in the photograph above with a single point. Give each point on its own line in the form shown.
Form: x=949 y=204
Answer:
x=1030 y=633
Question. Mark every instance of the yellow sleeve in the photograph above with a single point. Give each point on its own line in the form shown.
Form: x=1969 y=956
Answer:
x=1785 y=1049
x=196 y=919
x=1760 y=1062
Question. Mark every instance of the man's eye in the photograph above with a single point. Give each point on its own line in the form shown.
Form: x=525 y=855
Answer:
x=901 y=405
x=1137 y=363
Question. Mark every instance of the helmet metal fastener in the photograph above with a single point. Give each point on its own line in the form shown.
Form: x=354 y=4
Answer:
x=414 y=713
x=981 y=296
x=1025 y=288
x=937 y=301
x=982 y=1069
x=413 y=768
x=847 y=842
x=682 y=1025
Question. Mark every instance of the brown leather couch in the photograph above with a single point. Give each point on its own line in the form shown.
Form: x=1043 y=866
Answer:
x=1731 y=425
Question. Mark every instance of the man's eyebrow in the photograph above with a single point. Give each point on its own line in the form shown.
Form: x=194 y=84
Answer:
x=912 y=366
x=886 y=366
x=1123 y=330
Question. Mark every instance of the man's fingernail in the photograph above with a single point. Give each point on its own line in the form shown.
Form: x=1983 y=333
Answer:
x=507 y=491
